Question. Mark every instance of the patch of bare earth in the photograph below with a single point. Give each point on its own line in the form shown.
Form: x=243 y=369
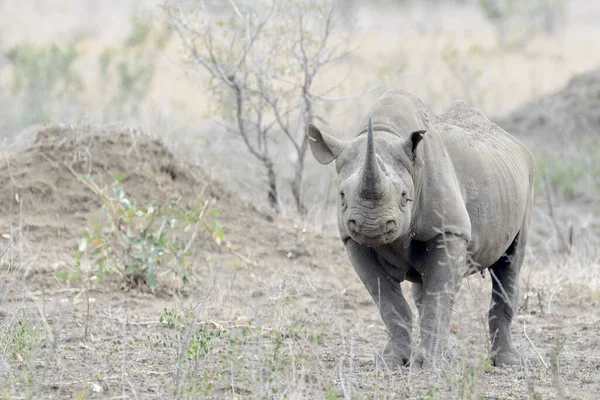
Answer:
x=278 y=311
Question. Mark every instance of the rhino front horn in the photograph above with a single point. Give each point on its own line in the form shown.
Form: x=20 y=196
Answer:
x=372 y=178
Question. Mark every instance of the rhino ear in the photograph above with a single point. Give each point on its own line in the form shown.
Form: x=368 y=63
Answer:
x=411 y=144
x=324 y=147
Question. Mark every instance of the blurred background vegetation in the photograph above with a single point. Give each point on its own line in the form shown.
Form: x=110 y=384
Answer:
x=126 y=62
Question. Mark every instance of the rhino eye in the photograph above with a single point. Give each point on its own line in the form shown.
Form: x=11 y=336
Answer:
x=343 y=201
x=405 y=198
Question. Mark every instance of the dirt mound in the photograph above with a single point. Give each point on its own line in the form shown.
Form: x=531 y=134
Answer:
x=42 y=197
x=571 y=114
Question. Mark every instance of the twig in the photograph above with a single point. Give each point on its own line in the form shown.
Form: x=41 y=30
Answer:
x=35 y=295
x=80 y=381
x=6 y=249
x=155 y=373
x=243 y=258
x=128 y=322
x=533 y=345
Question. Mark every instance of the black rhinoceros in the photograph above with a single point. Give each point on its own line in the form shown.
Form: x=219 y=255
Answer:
x=430 y=200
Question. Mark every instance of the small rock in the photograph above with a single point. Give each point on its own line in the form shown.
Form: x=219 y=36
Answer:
x=96 y=388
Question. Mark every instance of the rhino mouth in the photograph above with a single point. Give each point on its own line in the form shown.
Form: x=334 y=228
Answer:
x=373 y=232
x=374 y=240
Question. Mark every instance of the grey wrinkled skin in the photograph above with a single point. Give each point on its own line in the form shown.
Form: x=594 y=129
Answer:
x=430 y=200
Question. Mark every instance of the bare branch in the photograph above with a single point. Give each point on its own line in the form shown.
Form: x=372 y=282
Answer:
x=181 y=27
x=284 y=125
x=239 y=106
x=267 y=57
x=253 y=36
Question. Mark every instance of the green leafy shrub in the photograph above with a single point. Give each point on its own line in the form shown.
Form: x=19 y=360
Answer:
x=193 y=338
x=137 y=242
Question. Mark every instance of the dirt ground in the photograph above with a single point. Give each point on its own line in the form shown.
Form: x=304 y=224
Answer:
x=277 y=312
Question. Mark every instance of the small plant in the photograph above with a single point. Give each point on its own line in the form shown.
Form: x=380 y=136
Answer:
x=19 y=342
x=135 y=242
x=197 y=336
x=430 y=395
x=171 y=319
x=193 y=340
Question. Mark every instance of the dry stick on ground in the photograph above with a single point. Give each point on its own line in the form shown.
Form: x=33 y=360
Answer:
x=534 y=347
x=6 y=249
x=2 y=255
x=555 y=368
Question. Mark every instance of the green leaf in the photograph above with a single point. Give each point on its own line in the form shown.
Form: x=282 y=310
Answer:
x=132 y=268
x=218 y=230
x=211 y=212
x=131 y=240
x=63 y=276
x=151 y=277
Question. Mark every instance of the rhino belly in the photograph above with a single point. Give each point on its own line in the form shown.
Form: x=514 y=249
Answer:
x=496 y=211
x=490 y=239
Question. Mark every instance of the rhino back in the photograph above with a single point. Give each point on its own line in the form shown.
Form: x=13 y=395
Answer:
x=495 y=175
x=397 y=111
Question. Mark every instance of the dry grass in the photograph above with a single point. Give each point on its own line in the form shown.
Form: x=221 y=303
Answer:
x=281 y=314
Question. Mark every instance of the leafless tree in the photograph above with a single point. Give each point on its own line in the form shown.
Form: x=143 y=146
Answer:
x=260 y=64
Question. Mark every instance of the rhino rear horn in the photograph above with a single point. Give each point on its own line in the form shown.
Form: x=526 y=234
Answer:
x=372 y=179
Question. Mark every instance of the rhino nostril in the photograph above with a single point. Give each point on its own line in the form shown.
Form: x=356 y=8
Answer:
x=352 y=225
x=390 y=226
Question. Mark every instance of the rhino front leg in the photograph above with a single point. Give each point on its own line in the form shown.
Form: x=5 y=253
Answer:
x=393 y=307
x=442 y=267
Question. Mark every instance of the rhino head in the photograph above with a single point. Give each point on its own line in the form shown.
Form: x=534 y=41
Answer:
x=376 y=185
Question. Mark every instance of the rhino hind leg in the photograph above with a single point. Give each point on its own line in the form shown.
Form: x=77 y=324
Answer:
x=505 y=292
